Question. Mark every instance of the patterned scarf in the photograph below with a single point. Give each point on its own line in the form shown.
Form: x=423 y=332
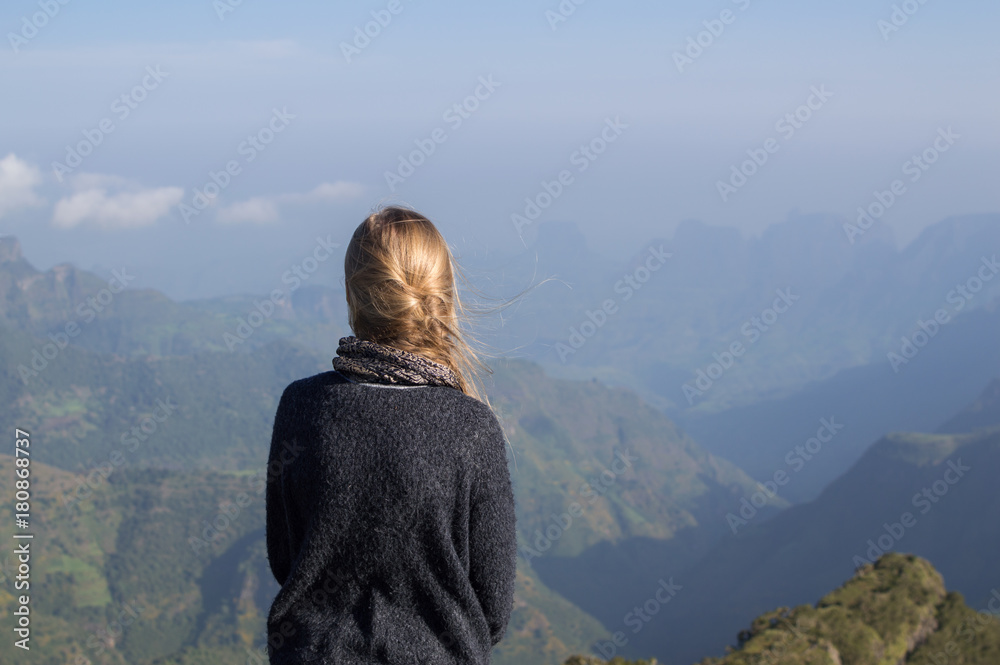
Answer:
x=377 y=363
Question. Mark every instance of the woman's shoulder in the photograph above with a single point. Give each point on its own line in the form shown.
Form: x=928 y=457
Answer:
x=308 y=389
x=448 y=403
x=314 y=383
x=475 y=417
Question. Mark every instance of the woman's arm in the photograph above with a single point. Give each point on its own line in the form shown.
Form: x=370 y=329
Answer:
x=278 y=556
x=493 y=533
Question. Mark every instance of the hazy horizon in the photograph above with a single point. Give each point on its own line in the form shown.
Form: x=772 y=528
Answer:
x=181 y=90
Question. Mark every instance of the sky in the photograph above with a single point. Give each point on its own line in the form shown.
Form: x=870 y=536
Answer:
x=210 y=143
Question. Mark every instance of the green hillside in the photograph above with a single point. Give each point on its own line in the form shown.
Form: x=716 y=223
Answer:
x=632 y=473
x=892 y=612
x=657 y=517
x=126 y=555
x=95 y=313
x=931 y=495
x=608 y=489
x=148 y=431
x=209 y=410
x=131 y=503
x=180 y=559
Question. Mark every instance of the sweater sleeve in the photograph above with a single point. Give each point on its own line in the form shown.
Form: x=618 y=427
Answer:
x=492 y=533
x=278 y=553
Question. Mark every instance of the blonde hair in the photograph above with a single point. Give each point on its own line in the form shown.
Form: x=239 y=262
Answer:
x=399 y=274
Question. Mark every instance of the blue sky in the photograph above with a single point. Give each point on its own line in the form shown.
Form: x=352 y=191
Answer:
x=555 y=90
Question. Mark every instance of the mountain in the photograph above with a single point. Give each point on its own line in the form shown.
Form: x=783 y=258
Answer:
x=921 y=493
x=129 y=553
x=179 y=558
x=128 y=438
x=944 y=376
x=648 y=500
x=204 y=410
x=129 y=536
x=152 y=426
x=983 y=413
x=895 y=610
x=67 y=305
x=852 y=304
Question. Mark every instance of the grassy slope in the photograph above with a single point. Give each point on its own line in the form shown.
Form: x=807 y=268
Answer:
x=808 y=548
x=893 y=612
x=564 y=430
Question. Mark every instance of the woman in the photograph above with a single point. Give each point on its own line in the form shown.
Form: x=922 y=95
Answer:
x=390 y=512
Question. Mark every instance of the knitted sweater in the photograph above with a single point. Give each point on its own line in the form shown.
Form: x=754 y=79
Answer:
x=390 y=525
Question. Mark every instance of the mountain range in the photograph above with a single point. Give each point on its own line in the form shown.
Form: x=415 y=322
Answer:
x=153 y=416
x=140 y=454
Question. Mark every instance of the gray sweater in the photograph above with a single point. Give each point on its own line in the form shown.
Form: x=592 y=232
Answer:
x=390 y=525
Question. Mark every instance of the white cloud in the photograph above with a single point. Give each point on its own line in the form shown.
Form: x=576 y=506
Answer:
x=134 y=207
x=18 y=180
x=81 y=182
x=264 y=210
x=331 y=191
x=257 y=210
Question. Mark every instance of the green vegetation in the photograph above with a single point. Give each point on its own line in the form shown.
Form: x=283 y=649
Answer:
x=138 y=323
x=209 y=410
x=126 y=555
x=123 y=540
x=126 y=514
x=893 y=612
x=632 y=473
x=126 y=495
x=617 y=660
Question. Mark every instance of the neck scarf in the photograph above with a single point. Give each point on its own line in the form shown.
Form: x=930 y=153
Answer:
x=371 y=362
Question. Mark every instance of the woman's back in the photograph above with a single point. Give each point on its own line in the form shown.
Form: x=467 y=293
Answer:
x=390 y=525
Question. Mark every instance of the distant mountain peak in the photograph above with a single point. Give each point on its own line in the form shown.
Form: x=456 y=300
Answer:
x=981 y=414
x=10 y=249
x=971 y=232
x=562 y=236
x=691 y=230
